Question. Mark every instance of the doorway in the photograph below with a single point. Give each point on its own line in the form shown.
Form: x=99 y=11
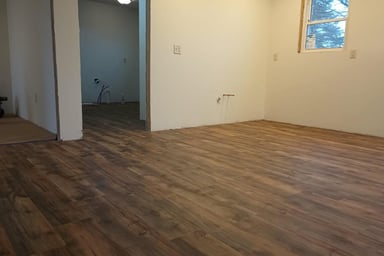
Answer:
x=113 y=45
x=27 y=79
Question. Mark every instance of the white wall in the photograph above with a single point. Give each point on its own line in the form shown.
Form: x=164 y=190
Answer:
x=328 y=89
x=143 y=58
x=5 y=73
x=223 y=45
x=109 y=34
x=31 y=58
x=66 y=26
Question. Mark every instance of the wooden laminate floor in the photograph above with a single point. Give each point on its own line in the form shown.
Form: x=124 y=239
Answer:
x=254 y=188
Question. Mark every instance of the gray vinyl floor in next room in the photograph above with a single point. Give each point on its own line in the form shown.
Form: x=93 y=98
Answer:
x=17 y=130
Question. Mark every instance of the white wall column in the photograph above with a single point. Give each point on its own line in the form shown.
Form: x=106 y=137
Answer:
x=67 y=44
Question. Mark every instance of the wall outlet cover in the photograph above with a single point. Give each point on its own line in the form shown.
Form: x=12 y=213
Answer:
x=176 y=49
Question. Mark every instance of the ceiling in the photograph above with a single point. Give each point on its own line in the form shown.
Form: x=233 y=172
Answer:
x=134 y=4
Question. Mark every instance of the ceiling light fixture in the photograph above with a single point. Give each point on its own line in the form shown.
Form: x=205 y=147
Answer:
x=124 y=1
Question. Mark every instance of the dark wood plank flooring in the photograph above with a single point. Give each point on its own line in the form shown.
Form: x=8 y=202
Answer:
x=254 y=188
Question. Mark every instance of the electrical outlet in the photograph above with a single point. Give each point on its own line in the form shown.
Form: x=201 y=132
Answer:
x=353 y=54
x=176 y=49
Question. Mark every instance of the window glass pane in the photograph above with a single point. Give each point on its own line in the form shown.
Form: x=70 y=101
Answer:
x=325 y=35
x=329 y=9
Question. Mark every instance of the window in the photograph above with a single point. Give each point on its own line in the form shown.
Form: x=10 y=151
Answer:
x=323 y=24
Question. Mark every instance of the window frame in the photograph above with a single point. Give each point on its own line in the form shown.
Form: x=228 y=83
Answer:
x=306 y=8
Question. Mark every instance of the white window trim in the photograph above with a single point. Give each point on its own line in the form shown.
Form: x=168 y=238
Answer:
x=306 y=15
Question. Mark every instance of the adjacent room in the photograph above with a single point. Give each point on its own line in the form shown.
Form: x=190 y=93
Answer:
x=265 y=133
x=27 y=83
x=110 y=61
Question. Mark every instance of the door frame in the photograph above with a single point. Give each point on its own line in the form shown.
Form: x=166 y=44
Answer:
x=148 y=68
x=55 y=72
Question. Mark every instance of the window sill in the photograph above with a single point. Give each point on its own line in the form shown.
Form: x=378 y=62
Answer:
x=322 y=50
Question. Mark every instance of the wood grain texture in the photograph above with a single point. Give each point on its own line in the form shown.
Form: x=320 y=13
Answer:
x=255 y=188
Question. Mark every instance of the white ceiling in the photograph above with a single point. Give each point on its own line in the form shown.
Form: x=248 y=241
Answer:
x=134 y=4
